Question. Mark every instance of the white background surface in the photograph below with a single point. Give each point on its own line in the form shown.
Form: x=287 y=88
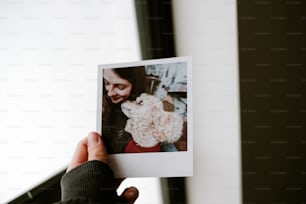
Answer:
x=207 y=30
x=49 y=52
x=48 y=56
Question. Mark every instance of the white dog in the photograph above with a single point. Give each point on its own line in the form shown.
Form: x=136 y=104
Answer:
x=147 y=117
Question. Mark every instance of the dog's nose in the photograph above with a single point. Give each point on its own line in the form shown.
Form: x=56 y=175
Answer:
x=125 y=106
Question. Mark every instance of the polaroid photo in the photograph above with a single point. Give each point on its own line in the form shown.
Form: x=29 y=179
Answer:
x=145 y=117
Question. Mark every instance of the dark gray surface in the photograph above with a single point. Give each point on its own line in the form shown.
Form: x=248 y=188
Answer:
x=272 y=57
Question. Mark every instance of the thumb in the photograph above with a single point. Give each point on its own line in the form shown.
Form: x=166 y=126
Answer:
x=96 y=148
x=129 y=195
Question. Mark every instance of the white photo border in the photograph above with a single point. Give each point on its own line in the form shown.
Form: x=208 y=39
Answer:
x=157 y=164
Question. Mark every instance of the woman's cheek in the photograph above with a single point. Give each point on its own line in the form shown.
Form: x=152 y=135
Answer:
x=124 y=93
x=106 y=88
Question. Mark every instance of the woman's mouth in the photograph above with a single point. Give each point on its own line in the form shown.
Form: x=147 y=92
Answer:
x=115 y=99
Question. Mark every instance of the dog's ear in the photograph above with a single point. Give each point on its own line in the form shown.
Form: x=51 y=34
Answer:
x=168 y=104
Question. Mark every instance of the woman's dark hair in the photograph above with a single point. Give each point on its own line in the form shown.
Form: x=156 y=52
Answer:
x=114 y=120
x=136 y=76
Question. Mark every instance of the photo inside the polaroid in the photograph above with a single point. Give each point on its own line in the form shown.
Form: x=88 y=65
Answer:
x=144 y=108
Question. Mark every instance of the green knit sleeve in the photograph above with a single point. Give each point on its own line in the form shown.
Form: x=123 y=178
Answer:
x=92 y=182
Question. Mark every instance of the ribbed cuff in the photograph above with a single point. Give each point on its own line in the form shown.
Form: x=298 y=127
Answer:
x=93 y=180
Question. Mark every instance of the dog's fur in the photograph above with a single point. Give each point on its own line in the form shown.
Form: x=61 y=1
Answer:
x=146 y=117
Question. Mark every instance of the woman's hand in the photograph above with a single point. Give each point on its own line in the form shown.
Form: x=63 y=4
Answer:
x=92 y=148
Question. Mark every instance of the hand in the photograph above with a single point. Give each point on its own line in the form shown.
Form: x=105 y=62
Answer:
x=92 y=148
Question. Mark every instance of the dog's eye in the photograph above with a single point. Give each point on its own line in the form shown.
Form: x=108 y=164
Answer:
x=140 y=102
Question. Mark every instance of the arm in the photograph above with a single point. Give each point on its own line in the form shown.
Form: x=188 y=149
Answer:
x=90 y=182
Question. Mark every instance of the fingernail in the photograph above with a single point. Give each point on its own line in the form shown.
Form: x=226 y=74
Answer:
x=130 y=193
x=93 y=138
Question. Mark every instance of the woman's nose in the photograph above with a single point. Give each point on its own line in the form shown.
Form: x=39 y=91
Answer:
x=111 y=91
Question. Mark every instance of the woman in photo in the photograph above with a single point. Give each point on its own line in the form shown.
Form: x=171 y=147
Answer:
x=120 y=84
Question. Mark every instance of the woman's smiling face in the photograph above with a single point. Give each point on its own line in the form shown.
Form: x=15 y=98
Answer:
x=118 y=89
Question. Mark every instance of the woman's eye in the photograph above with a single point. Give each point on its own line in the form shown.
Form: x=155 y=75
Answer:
x=121 y=87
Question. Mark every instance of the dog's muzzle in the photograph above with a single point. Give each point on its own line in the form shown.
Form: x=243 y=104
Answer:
x=125 y=108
